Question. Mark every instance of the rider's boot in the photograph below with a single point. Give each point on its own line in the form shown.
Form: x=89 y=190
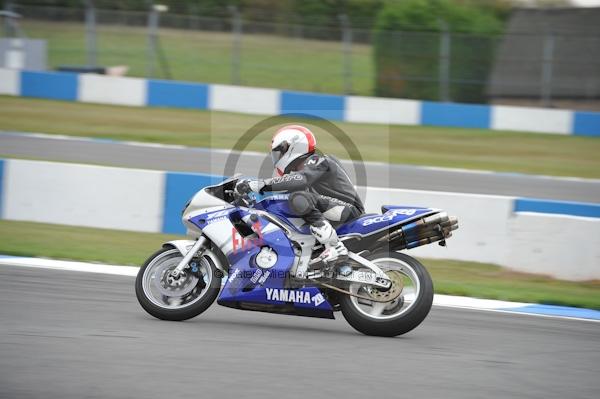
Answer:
x=324 y=232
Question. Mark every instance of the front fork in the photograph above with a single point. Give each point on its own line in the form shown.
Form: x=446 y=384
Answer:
x=199 y=246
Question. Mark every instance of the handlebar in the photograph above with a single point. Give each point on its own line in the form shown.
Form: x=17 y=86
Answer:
x=241 y=200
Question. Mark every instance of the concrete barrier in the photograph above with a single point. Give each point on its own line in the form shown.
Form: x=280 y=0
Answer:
x=325 y=106
x=2 y=189
x=10 y=82
x=164 y=93
x=483 y=221
x=586 y=124
x=382 y=110
x=52 y=85
x=455 y=115
x=557 y=207
x=112 y=90
x=555 y=238
x=82 y=195
x=528 y=119
x=561 y=246
x=179 y=188
x=268 y=102
x=246 y=100
x=513 y=232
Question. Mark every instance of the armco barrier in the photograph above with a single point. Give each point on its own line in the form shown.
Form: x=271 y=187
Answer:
x=516 y=233
x=262 y=101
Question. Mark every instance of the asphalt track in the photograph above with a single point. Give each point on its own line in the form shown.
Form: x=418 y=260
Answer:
x=176 y=158
x=82 y=335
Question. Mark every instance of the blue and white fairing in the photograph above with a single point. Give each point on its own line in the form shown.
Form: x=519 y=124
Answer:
x=244 y=234
x=251 y=286
x=278 y=205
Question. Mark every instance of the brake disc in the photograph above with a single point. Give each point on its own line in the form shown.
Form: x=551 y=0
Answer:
x=393 y=292
x=171 y=286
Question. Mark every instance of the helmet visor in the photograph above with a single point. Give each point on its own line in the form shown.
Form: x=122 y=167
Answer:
x=278 y=152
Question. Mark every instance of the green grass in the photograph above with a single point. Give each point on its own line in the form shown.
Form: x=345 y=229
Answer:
x=266 y=60
x=418 y=145
x=450 y=277
x=78 y=243
x=491 y=281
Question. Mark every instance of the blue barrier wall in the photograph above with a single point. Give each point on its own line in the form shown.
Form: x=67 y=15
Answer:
x=455 y=115
x=54 y=85
x=163 y=93
x=322 y=105
x=179 y=189
x=557 y=207
x=586 y=124
x=152 y=201
x=160 y=93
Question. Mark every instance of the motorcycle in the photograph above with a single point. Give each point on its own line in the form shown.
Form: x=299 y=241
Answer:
x=272 y=263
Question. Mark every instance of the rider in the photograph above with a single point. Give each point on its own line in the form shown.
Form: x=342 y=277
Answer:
x=320 y=188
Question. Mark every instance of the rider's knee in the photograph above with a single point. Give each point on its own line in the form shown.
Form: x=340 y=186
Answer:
x=300 y=203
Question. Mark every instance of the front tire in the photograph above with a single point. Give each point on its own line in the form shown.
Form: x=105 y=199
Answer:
x=176 y=300
x=403 y=313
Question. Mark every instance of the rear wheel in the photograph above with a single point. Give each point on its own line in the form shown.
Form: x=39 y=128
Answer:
x=177 y=298
x=404 y=312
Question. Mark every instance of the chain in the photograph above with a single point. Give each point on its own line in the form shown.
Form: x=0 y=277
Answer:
x=368 y=298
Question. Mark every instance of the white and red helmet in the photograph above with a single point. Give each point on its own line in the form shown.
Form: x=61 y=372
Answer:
x=290 y=143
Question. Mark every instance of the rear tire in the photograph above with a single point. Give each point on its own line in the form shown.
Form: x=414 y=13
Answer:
x=159 y=305
x=391 y=325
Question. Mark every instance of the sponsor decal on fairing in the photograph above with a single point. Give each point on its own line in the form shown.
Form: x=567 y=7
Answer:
x=240 y=243
x=389 y=215
x=295 y=296
x=215 y=215
x=260 y=276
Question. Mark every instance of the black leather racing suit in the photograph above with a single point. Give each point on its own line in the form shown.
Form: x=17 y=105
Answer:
x=320 y=189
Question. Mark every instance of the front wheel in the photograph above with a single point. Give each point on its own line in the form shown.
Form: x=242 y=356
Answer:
x=402 y=314
x=181 y=298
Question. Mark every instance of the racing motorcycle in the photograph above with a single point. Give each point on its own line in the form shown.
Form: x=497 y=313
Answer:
x=272 y=263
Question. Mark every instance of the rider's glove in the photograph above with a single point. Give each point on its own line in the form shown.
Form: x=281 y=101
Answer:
x=245 y=186
x=256 y=185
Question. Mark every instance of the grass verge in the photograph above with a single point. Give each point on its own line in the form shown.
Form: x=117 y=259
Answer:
x=450 y=277
x=544 y=154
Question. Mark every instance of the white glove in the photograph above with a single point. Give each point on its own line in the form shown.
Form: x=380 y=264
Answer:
x=256 y=185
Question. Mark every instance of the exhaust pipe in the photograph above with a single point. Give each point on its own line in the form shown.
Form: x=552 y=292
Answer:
x=424 y=231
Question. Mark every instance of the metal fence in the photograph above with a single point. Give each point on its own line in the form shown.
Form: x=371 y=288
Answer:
x=446 y=66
